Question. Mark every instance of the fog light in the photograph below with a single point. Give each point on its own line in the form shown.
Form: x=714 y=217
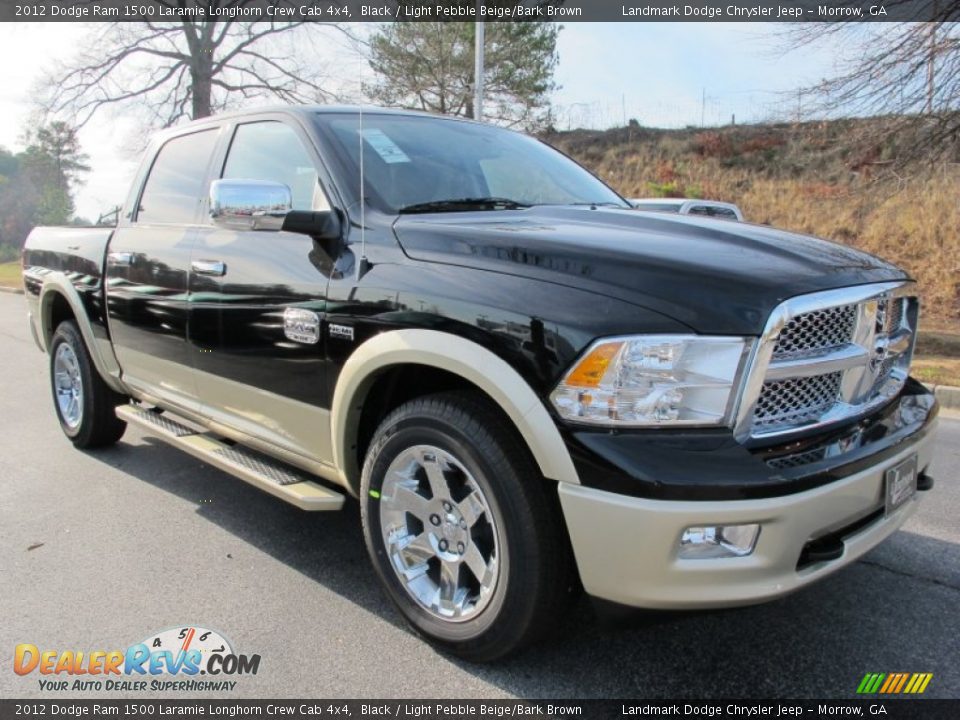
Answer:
x=718 y=541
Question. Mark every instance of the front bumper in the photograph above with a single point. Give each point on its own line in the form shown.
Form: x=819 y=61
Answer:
x=627 y=547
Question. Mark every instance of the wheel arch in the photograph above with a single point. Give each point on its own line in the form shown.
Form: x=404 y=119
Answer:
x=454 y=356
x=59 y=301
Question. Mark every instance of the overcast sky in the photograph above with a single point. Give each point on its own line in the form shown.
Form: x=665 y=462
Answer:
x=662 y=74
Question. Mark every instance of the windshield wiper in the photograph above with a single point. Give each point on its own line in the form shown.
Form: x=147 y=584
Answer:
x=460 y=204
x=600 y=204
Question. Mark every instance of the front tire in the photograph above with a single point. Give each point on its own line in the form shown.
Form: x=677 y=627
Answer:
x=461 y=529
x=84 y=403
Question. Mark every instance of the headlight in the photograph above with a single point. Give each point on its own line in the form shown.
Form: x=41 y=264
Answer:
x=647 y=380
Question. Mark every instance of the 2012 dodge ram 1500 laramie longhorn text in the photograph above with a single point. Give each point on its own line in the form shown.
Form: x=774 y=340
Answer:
x=521 y=378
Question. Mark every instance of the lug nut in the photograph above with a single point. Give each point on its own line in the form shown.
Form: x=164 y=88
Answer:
x=461 y=548
x=463 y=524
x=447 y=506
x=435 y=519
x=443 y=545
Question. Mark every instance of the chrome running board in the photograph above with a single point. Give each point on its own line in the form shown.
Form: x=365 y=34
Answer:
x=287 y=483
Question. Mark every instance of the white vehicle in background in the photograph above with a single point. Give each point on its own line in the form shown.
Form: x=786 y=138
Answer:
x=685 y=206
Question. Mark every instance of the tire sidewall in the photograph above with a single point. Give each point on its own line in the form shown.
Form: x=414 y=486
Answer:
x=424 y=429
x=68 y=334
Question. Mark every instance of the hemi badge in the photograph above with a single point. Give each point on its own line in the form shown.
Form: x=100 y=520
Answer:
x=341 y=331
x=302 y=326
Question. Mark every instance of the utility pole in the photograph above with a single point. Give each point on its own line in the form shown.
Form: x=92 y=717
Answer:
x=930 y=65
x=478 y=72
x=703 y=108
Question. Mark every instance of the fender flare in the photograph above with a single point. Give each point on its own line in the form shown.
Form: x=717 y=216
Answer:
x=100 y=350
x=496 y=378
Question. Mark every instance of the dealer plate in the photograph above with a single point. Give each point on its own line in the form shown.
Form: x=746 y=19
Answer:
x=901 y=483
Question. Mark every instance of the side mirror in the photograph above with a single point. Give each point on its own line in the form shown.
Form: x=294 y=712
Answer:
x=321 y=225
x=249 y=204
x=262 y=205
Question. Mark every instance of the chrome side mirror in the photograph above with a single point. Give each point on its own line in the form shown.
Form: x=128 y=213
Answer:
x=249 y=204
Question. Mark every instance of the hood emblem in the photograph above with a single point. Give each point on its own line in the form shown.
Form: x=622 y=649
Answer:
x=302 y=326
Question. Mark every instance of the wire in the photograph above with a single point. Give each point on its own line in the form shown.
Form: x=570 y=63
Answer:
x=363 y=206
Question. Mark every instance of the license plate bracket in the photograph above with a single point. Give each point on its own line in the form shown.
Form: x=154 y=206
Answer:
x=900 y=484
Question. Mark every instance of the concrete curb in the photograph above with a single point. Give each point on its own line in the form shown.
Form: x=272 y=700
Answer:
x=11 y=290
x=948 y=396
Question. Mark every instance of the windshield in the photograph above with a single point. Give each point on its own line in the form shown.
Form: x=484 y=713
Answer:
x=410 y=160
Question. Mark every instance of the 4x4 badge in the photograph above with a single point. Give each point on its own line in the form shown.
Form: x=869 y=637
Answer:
x=341 y=331
x=302 y=326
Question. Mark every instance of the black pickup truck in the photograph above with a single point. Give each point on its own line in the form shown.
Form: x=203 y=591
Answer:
x=527 y=384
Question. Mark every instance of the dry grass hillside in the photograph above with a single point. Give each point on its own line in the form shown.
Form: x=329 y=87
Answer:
x=809 y=178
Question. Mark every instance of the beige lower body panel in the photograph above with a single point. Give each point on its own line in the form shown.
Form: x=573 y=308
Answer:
x=279 y=421
x=169 y=382
x=627 y=548
x=295 y=432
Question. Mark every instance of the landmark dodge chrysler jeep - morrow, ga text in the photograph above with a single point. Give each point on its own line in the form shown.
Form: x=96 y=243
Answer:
x=521 y=378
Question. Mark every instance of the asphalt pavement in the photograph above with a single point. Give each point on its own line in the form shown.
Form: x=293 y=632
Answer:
x=99 y=550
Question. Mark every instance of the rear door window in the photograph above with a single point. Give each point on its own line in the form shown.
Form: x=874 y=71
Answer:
x=175 y=185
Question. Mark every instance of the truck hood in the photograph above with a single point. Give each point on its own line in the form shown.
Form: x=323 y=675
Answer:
x=715 y=276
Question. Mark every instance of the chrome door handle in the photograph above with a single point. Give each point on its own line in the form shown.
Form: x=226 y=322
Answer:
x=120 y=258
x=208 y=267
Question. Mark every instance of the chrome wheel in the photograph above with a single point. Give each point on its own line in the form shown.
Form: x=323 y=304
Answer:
x=440 y=535
x=68 y=386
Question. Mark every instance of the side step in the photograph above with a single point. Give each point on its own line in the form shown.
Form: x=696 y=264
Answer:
x=287 y=483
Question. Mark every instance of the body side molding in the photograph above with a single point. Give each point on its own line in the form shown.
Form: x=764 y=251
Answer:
x=468 y=360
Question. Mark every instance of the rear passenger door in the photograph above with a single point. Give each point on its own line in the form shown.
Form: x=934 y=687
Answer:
x=148 y=265
x=254 y=377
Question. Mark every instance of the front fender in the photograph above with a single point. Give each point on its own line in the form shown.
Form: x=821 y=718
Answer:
x=431 y=348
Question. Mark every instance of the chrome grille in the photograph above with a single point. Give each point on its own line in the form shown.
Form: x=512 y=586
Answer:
x=829 y=356
x=797 y=400
x=817 y=330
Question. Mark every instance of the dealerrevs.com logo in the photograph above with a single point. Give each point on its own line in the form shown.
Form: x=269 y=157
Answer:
x=182 y=653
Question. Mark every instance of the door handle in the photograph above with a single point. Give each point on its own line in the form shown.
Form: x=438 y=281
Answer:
x=208 y=267
x=120 y=258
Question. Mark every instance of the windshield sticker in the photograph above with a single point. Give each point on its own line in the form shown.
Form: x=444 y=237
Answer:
x=386 y=148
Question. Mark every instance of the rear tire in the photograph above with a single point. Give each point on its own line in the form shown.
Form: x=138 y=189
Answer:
x=85 y=405
x=461 y=528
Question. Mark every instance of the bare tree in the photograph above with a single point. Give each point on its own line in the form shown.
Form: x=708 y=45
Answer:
x=908 y=73
x=190 y=69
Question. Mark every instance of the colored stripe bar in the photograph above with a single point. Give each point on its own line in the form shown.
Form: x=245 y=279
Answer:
x=915 y=681
x=875 y=685
x=894 y=683
x=891 y=680
x=903 y=679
